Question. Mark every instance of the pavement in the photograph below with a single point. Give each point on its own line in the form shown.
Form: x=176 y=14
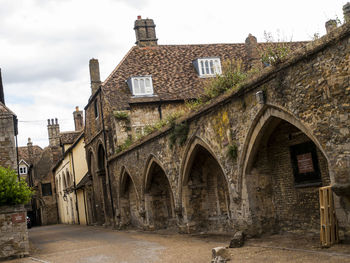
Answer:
x=85 y=244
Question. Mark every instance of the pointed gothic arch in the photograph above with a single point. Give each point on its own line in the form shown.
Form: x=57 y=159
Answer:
x=159 y=199
x=204 y=189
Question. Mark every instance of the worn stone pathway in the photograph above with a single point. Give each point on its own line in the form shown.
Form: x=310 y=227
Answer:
x=80 y=244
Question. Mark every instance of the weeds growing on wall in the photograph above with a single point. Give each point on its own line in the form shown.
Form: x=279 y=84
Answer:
x=232 y=151
x=163 y=122
x=121 y=115
x=178 y=133
x=125 y=145
x=275 y=50
x=233 y=75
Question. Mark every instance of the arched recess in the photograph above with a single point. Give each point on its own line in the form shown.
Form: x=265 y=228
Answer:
x=205 y=191
x=283 y=166
x=101 y=173
x=159 y=200
x=128 y=200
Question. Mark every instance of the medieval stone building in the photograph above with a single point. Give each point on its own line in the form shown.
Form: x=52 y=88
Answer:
x=253 y=158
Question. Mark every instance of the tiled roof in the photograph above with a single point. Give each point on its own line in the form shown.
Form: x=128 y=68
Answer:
x=23 y=153
x=4 y=110
x=69 y=137
x=173 y=75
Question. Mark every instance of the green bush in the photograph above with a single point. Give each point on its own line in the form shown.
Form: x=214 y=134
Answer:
x=12 y=191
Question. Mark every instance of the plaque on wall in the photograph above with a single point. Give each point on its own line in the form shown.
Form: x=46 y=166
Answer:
x=305 y=164
x=18 y=218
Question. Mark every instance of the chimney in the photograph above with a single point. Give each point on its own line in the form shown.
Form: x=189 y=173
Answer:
x=145 y=32
x=78 y=119
x=2 y=97
x=330 y=25
x=53 y=129
x=251 y=46
x=346 y=12
x=94 y=75
x=30 y=150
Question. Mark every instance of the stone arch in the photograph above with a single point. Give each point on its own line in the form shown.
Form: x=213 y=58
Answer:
x=204 y=189
x=102 y=181
x=264 y=115
x=128 y=200
x=282 y=165
x=159 y=198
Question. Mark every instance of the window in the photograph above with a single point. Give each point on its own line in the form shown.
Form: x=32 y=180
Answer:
x=23 y=170
x=141 y=86
x=305 y=164
x=207 y=67
x=46 y=189
x=96 y=108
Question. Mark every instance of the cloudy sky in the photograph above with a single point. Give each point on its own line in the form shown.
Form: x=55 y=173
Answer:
x=45 y=45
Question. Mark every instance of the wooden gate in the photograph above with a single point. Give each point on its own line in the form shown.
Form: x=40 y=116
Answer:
x=329 y=224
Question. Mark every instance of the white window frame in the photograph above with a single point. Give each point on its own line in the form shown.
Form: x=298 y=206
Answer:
x=209 y=67
x=141 y=85
x=23 y=170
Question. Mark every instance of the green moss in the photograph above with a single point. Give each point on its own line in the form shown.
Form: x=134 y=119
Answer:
x=128 y=142
x=232 y=151
x=121 y=115
x=178 y=134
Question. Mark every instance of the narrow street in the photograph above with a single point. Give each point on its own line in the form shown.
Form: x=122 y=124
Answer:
x=80 y=244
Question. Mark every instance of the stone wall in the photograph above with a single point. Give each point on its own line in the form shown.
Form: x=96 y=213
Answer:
x=310 y=93
x=8 y=156
x=13 y=232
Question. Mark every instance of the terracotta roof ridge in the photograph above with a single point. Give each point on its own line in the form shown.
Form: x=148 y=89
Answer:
x=117 y=67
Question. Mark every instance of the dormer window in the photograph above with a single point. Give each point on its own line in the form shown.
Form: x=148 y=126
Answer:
x=208 y=67
x=141 y=86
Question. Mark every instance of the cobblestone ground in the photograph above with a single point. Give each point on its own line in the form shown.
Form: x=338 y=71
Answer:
x=80 y=244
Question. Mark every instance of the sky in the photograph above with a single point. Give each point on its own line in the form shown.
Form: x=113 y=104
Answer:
x=46 y=45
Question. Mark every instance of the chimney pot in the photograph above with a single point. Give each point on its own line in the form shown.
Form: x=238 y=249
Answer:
x=52 y=122
x=56 y=120
x=138 y=17
x=48 y=121
x=76 y=108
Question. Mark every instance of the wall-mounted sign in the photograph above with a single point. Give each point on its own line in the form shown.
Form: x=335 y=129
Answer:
x=305 y=164
x=18 y=218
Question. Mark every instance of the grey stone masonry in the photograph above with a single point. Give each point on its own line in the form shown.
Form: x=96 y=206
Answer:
x=13 y=232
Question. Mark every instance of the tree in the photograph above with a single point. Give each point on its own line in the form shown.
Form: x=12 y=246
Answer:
x=12 y=190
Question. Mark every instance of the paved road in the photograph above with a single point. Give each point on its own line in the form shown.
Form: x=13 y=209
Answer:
x=80 y=244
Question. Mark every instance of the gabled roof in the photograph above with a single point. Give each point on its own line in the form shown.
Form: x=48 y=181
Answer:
x=69 y=136
x=24 y=155
x=171 y=66
x=5 y=111
x=24 y=162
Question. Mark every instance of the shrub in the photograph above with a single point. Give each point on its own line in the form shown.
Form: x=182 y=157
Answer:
x=12 y=191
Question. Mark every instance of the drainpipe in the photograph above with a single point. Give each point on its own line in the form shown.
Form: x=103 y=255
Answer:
x=75 y=190
x=106 y=156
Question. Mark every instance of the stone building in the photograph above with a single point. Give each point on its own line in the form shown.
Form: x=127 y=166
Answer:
x=252 y=159
x=150 y=84
x=8 y=133
x=72 y=178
